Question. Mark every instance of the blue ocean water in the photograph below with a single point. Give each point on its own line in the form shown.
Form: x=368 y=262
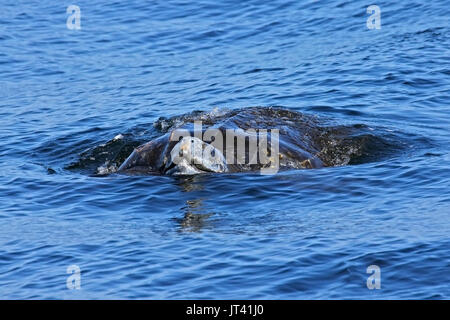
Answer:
x=299 y=234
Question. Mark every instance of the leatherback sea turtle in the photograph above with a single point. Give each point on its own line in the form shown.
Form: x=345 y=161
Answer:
x=248 y=139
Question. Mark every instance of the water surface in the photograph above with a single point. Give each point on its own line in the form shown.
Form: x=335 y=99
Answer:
x=296 y=235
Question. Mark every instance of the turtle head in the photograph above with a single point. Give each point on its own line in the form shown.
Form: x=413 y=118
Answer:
x=192 y=155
